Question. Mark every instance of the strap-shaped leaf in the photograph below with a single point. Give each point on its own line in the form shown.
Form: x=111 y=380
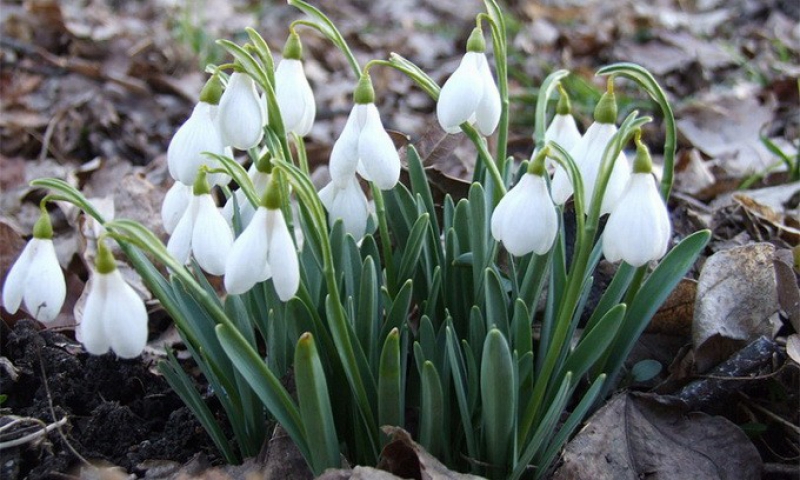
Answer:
x=266 y=385
x=413 y=248
x=459 y=372
x=431 y=434
x=498 y=399
x=315 y=406
x=390 y=387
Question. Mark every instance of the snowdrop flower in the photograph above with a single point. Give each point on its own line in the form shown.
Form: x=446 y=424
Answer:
x=638 y=230
x=525 y=219
x=264 y=250
x=176 y=201
x=202 y=231
x=36 y=276
x=588 y=155
x=470 y=94
x=562 y=129
x=114 y=316
x=294 y=94
x=364 y=145
x=197 y=135
x=240 y=117
x=259 y=175
x=346 y=201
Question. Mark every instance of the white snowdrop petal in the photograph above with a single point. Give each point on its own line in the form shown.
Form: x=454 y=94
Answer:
x=460 y=94
x=564 y=131
x=344 y=155
x=211 y=236
x=530 y=223
x=282 y=258
x=180 y=242
x=295 y=97
x=45 y=287
x=176 y=201
x=14 y=286
x=125 y=318
x=638 y=229
x=197 y=135
x=92 y=330
x=349 y=204
x=501 y=212
x=244 y=266
x=616 y=183
x=487 y=113
x=377 y=153
x=240 y=117
x=561 y=186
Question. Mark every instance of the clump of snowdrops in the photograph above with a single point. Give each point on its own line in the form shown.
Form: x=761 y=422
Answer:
x=408 y=310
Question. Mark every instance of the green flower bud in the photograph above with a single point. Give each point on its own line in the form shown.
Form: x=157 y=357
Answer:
x=476 y=42
x=212 y=91
x=536 y=167
x=364 y=92
x=264 y=162
x=564 y=106
x=104 y=262
x=643 y=163
x=201 y=185
x=272 y=197
x=606 y=109
x=43 y=228
x=293 y=49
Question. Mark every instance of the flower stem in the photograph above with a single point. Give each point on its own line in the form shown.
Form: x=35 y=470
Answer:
x=386 y=241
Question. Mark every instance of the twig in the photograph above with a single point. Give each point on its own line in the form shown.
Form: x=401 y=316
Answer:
x=33 y=436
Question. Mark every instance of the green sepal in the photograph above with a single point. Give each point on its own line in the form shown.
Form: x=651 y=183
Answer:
x=564 y=106
x=643 y=163
x=201 y=185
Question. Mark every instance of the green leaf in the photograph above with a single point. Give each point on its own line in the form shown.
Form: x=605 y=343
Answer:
x=431 y=426
x=266 y=385
x=413 y=248
x=650 y=296
x=459 y=372
x=180 y=382
x=390 y=387
x=544 y=459
x=521 y=322
x=544 y=430
x=239 y=175
x=315 y=406
x=645 y=370
x=327 y=28
x=398 y=312
x=498 y=397
x=368 y=315
x=496 y=302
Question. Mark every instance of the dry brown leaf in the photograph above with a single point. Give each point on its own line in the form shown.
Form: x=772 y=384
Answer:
x=634 y=437
x=406 y=458
x=736 y=302
x=788 y=290
x=676 y=314
x=725 y=126
x=692 y=174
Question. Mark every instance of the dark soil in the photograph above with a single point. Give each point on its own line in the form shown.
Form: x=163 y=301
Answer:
x=117 y=411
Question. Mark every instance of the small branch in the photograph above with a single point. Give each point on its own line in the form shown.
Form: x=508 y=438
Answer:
x=33 y=436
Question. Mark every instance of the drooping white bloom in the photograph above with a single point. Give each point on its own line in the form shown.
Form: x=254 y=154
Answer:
x=202 y=231
x=525 y=220
x=264 y=250
x=564 y=131
x=347 y=201
x=36 y=278
x=197 y=135
x=588 y=153
x=114 y=317
x=295 y=97
x=470 y=95
x=246 y=209
x=638 y=229
x=176 y=201
x=240 y=117
x=364 y=146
